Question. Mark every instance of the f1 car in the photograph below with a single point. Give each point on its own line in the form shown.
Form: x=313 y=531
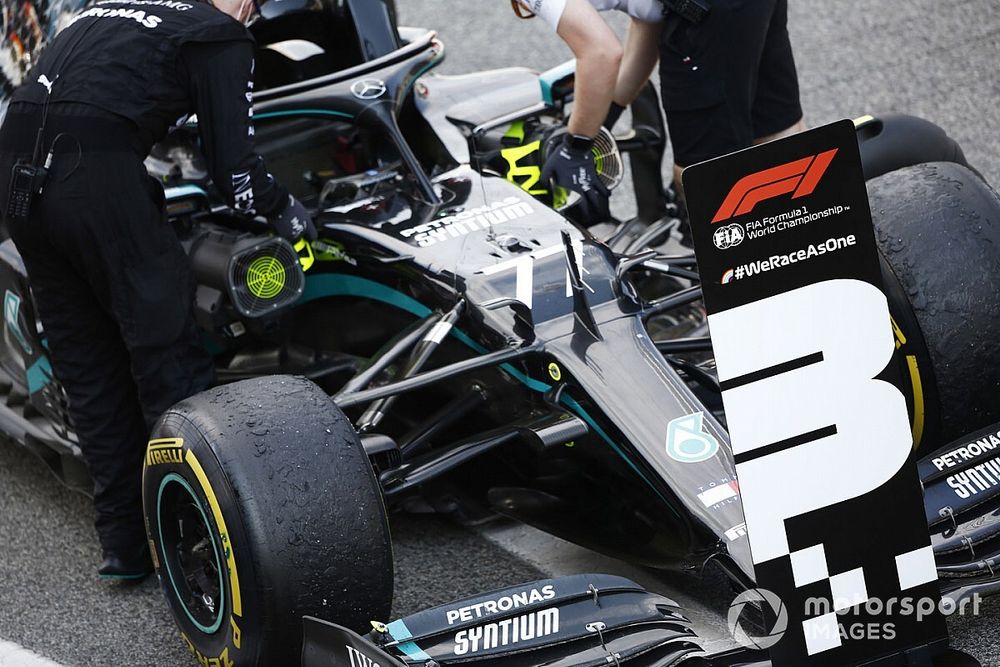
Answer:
x=455 y=342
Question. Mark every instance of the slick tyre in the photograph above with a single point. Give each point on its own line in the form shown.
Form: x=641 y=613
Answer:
x=261 y=507
x=938 y=229
x=892 y=141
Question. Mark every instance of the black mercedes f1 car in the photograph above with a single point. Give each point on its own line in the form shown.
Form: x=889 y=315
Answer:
x=455 y=342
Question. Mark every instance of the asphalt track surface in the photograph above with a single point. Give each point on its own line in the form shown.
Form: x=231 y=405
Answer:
x=935 y=59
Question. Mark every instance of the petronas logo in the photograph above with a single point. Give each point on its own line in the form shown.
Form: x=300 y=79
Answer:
x=687 y=442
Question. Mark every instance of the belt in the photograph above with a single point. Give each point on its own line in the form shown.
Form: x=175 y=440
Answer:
x=92 y=130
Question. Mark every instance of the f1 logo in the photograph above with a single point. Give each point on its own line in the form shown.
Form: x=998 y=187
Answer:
x=799 y=177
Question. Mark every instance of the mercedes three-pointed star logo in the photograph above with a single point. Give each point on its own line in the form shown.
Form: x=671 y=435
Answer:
x=368 y=89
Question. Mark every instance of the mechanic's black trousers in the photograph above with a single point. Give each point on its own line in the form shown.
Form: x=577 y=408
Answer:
x=114 y=292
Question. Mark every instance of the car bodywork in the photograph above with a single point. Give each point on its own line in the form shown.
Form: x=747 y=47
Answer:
x=495 y=356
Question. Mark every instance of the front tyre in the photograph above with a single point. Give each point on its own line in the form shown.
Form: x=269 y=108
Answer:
x=938 y=229
x=261 y=507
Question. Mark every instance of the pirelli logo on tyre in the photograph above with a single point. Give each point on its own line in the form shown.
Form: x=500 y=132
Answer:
x=165 y=450
x=798 y=178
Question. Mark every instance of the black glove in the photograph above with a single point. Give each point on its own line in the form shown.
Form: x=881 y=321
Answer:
x=572 y=167
x=614 y=113
x=294 y=222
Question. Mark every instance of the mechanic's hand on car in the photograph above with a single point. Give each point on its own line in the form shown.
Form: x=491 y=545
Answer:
x=571 y=166
x=294 y=222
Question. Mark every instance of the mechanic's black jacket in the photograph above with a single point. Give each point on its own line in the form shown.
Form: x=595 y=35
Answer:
x=155 y=62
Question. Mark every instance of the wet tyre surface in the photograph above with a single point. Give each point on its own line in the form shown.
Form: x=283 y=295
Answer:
x=938 y=225
x=52 y=603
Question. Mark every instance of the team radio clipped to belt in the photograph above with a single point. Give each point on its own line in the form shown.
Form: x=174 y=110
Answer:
x=27 y=181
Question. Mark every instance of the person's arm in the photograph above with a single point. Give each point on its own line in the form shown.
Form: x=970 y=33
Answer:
x=642 y=51
x=598 y=57
x=220 y=76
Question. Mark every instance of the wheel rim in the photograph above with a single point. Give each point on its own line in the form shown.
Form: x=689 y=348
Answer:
x=190 y=554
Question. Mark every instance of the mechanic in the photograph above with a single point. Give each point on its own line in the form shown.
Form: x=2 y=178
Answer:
x=111 y=282
x=727 y=77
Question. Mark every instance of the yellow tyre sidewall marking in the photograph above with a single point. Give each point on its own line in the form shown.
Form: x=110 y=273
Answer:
x=918 y=400
x=897 y=334
x=919 y=414
x=157 y=449
x=220 y=521
x=222 y=661
x=237 y=633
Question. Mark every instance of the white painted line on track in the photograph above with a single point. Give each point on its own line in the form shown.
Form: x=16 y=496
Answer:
x=13 y=655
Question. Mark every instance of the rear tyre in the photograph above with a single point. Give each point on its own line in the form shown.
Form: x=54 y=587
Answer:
x=938 y=228
x=892 y=141
x=261 y=507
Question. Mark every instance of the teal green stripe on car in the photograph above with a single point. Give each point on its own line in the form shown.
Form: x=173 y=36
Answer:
x=39 y=375
x=338 y=284
x=183 y=191
x=398 y=631
x=572 y=404
x=528 y=381
x=301 y=112
x=423 y=70
x=549 y=77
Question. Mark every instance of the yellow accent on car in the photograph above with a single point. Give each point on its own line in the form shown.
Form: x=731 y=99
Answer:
x=220 y=522
x=515 y=131
x=265 y=277
x=331 y=251
x=863 y=120
x=555 y=372
x=918 y=400
x=531 y=174
x=306 y=256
